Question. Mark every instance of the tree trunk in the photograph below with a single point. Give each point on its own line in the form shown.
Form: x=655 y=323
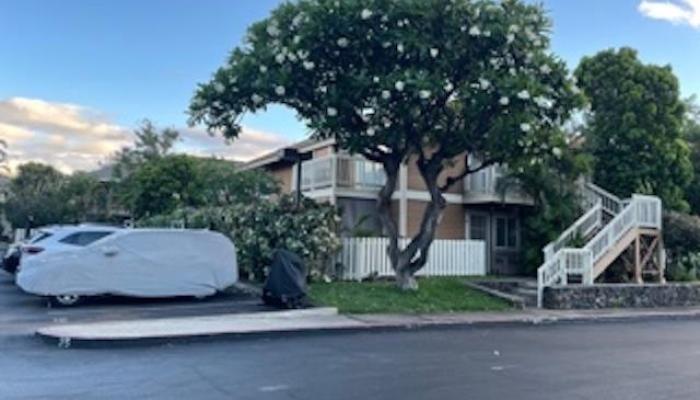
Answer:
x=410 y=260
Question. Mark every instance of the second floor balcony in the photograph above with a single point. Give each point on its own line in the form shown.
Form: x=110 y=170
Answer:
x=341 y=171
x=357 y=174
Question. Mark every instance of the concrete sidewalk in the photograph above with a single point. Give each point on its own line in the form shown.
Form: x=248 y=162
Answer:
x=323 y=319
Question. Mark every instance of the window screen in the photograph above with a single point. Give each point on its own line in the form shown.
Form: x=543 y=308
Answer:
x=501 y=232
x=477 y=227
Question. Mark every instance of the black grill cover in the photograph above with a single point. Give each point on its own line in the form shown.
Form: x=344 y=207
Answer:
x=286 y=284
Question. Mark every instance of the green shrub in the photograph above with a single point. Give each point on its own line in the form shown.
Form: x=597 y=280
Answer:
x=258 y=228
x=682 y=241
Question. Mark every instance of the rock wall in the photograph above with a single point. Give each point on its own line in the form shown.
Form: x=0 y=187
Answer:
x=622 y=296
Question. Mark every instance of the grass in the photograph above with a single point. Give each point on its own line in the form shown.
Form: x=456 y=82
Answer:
x=435 y=295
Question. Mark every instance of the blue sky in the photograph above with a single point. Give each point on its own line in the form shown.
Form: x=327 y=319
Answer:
x=108 y=64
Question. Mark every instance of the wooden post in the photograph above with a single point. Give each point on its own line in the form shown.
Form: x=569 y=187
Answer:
x=637 y=260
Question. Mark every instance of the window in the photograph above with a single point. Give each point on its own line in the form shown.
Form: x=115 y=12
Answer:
x=477 y=227
x=84 y=238
x=507 y=232
x=40 y=236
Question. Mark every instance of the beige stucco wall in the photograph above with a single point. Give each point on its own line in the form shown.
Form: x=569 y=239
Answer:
x=451 y=226
x=415 y=181
x=284 y=177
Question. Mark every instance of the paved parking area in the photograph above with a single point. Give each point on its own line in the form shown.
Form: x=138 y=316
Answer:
x=21 y=313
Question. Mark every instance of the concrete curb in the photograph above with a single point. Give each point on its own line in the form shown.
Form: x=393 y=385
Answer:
x=325 y=321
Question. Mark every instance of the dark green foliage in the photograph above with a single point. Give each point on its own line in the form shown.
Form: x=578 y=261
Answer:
x=635 y=126
x=552 y=183
x=682 y=242
x=41 y=195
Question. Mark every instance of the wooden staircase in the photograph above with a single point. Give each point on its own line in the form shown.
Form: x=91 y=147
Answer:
x=627 y=230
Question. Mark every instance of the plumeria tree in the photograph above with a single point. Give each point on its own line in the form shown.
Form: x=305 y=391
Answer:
x=422 y=80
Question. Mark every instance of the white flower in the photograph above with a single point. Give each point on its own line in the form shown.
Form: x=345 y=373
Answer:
x=375 y=79
x=484 y=83
x=370 y=131
x=463 y=28
x=280 y=58
x=399 y=48
x=332 y=112
x=366 y=13
x=434 y=52
x=256 y=98
x=280 y=90
x=272 y=29
x=323 y=89
x=302 y=54
x=400 y=86
x=525 y=127
x=309 y=65
x=504 y=101
x=424 y=94
x=387 y=122
x=297 y=19
x=546 y=69
x=263 y=69
x=557 y=152
x=544 y=102
x=448 y=86
x=296 y=39
x=218 y=87
x=510 y=38
x=512 y=71
x=513 y=28
x=343 y=42
x=523 y=95
x=475 y=31
x=386 y=95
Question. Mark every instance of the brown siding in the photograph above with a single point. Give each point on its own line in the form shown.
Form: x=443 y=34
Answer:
x=284 y=177
x=415 y=181
x=451 y=225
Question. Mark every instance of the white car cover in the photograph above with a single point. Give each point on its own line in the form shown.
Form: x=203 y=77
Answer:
x=136 y=262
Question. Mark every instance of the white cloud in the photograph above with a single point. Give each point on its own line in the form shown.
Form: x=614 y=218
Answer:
x=677 y=12
x=250 y=143
x=72 y=137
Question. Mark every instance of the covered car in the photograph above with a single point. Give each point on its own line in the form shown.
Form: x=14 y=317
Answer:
x=134 y=262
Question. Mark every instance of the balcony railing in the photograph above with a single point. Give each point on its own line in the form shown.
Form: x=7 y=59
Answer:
x=491 y=184
x=341 y=171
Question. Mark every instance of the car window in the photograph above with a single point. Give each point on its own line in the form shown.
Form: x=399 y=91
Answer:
x=84 y=238
x=40 y=236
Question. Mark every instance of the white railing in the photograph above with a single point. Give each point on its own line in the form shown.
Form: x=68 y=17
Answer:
x=583 y=227
x=593 y=194
x=317 y=173
x=344 y=171
x=363 y=257
x=638 y=212
x=641 y=211
x=487 y=181
x=556 y=270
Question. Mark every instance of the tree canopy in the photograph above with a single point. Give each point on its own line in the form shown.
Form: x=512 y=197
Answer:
x=388 y=80
x=634 y=135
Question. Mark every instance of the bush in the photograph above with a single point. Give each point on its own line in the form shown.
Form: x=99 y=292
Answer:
x=682 y=241
x=258 y=228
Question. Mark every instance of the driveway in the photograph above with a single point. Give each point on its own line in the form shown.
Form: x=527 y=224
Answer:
x=21 y=313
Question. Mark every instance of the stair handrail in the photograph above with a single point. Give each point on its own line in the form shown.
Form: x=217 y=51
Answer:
x=610 y=202
x=556 y=270
x=583 y=226
x=640 y=211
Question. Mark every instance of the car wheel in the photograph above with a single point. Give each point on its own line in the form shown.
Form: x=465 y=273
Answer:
x=67 y=300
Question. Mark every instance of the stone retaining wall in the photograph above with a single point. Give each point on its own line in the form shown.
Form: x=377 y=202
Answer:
x=621 y=296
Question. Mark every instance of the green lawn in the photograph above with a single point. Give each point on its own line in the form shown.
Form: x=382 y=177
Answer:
x=435 y=295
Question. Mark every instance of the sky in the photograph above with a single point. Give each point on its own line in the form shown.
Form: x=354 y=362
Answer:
x=77 y=76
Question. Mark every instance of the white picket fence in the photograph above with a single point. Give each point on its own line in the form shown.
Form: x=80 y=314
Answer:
x=362 y=257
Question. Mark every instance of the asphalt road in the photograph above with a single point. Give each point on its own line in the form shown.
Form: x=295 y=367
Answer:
x=649 y=360
x=21 y=314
